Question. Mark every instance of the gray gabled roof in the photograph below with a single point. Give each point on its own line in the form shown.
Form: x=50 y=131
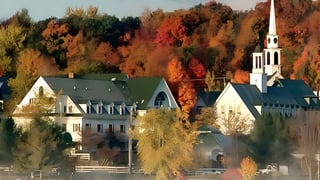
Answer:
x=206 y=99
x=285 y=92
x=82 y=90
x=214 y=138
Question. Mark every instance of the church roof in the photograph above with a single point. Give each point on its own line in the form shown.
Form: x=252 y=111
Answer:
x=285 y=92
x=207 y=98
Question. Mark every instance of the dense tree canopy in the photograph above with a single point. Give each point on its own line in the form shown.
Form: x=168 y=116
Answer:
x=164 y=146
x=209 y=37
x=40 y=147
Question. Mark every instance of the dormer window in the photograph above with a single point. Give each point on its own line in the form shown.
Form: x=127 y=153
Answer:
x=122 y=109
x=89 y=108
x=111 y=108
x=134 y=107
x=99 y=108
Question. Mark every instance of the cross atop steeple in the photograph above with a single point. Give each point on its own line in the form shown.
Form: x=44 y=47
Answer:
x=272 y=20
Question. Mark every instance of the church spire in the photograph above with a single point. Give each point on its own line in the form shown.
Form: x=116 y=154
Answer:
x=272 y=20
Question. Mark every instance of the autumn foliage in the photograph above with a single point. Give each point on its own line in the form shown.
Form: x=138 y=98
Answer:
x=208 y=37
x=180 y=81
x=248 y=168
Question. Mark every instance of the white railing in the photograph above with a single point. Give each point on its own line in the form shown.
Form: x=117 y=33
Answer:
x=110 y=169
x=4 y=168
x=82 y=156
x=206 y=171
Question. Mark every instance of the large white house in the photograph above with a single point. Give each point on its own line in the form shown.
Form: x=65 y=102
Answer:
x=267 y=91
x=99 y=103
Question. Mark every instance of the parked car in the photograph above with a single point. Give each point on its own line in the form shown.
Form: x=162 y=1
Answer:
x=268 y=169
x=274 y=168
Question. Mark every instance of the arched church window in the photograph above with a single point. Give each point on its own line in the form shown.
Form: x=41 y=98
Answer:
x=40 y=91
x=161 y=100
x=276 y=58
x=268 y=58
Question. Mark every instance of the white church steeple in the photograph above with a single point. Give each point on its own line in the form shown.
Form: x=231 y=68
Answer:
x=272 y=20
x=266 y=65
x=272 y=52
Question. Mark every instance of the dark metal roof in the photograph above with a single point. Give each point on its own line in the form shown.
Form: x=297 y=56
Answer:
x=106 y=90
x=81 y=90
x=287 y=92
x=207 y=98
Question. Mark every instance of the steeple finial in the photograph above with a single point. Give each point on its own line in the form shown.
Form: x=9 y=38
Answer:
x=272 y=20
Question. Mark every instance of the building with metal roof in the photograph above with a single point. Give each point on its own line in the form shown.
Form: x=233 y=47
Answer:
x=267 y=91
x=98 y=102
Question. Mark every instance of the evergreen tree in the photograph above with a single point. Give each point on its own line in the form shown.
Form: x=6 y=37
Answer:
x=8 y=138
x=40 y=147
x=268 y=141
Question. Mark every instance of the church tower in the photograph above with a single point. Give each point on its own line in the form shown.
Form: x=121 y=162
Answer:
x=266 y=65
x=272 y=52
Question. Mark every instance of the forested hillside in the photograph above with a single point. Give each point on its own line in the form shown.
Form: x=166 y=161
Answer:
x=206 y=38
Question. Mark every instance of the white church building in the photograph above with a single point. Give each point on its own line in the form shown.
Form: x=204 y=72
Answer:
x=267 y=91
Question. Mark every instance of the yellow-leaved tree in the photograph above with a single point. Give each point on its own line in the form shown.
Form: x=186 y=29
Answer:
x=248 y=168
x=164 y=146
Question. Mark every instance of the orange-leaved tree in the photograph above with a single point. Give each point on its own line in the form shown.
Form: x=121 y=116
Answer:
x=171 y=32
x=181 y=86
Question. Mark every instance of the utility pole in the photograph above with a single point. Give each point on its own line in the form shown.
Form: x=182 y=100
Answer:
x=130 y=143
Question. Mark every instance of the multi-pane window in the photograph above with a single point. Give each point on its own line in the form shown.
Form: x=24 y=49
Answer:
x=76 y=127
x=88 y=125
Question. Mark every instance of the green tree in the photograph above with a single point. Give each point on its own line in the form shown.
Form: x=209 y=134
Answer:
x=11 y=42
x=268 y=140
x=8 y=137
x=40 y=147
x=164 y=146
